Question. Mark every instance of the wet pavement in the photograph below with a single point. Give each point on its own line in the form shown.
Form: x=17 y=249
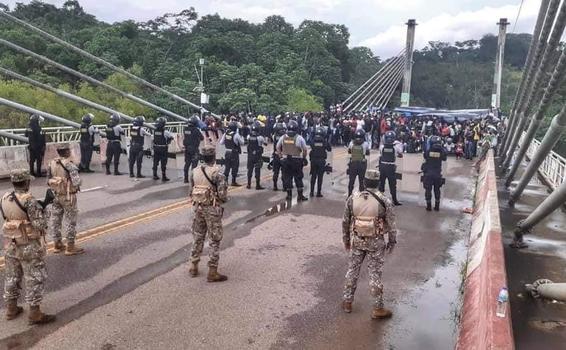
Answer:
x=537 y=324
x=286 y=266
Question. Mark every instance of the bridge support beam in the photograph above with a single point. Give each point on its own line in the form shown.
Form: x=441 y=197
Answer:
x=15 y=137
x=496 y=96
x=406 y=91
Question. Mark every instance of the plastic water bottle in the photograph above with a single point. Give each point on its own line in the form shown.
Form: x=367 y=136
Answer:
x=502 y=300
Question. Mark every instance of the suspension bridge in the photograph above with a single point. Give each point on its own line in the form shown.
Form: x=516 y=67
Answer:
x=285 y=260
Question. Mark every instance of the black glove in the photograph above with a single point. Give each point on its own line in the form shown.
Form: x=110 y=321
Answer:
x=49 y=198
x=390 y=246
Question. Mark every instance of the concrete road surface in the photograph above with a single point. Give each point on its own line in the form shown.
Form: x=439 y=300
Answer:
x=286 y=267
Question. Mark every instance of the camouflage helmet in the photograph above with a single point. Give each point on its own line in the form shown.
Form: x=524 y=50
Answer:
x=208 y=150
x=20 y=175
x=372 y=175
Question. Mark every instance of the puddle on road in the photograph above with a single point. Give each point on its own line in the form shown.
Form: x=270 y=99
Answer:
x=427 y=317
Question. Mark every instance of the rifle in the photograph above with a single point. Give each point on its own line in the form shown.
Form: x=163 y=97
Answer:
x=49 y=198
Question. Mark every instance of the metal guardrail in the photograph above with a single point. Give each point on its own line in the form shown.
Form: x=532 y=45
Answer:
x=67 y=133
x=552 y=169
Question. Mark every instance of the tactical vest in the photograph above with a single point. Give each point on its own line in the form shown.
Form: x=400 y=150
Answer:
x=159 y=138
x=289 y=146
x=191 y=139
x=86 y=137
x=136 y=135
x=368 y=215
x=17 y=225
x=318 y=149
x=60 y=180
x=204 y=192
x=388 y=154
x=111 y=135
x=358 y=154
x=254 y=148
x=434 y=159
x=229 y=140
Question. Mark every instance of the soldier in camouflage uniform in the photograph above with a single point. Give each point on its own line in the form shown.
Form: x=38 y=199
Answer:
x=209 y=192
x=369 y=230
x=24 y=229
x=64 y=180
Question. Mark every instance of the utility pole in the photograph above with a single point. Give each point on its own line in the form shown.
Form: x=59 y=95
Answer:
x=200 y=87
x=406 y=92
x=496 y=95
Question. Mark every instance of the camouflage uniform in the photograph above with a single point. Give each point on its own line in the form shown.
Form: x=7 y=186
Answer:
x=373 y=248
x=65 y=204
x=25 y=260
x=208 y=216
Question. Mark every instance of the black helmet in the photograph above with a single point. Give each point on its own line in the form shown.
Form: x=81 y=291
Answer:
x=87 y=118
x=255 y=128
x=389 y=138
x=160 y=122
x=359 y=136
x=280 y=129
x=193 y=121
x=114 y=119
x=292 y=128
x=319 y=132
x=233 y=126
x=36 y=118
x=435 y=140
x=139 y=120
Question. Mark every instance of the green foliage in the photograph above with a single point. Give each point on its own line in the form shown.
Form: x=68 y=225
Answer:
x=300 y=100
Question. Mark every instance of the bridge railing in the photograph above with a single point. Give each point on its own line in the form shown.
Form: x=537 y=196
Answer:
x=67 y=133
x=552 y=169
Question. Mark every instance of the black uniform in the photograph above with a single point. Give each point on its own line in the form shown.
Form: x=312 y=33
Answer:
x=255 y=161
x=357 y=166
x=114 y=148
x=432 y=174
x=318 y=157
x=388 y=170
x=136 y=150
x=191 y=140
x=36 y=147
x=232 y=156
x=87 y=146
x=160 y=147
x=276 y=161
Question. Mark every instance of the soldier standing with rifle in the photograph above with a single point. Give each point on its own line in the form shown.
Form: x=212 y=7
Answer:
x=369 y=230
x=209 y=192
x=64 y=180
x=432 y=172
x=191 y=142
x=137 y=137
x=87 y=142
x=24 y=233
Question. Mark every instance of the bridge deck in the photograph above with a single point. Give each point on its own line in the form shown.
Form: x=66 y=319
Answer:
x=132 y=290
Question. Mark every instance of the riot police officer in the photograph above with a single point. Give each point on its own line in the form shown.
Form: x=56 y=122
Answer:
x=279 y=131
x=233 y=142
x=319 y=147
x=114 y=133
x=358 y=149
x=137 y=135
x=432 y=172
x=292 y=149
x=387 y=167
x=255 y=153
x=191 y=141
x=161 y=140
x=37 y=144
x=87 y=142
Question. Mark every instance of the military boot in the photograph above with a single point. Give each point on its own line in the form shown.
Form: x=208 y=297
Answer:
x=193 y=270
x=380 y=313
x=72 y=249
x=301 y=197
x=347 y=306
x=428 y=206
x=13 y=310
x=140 y=176
x=108 y=169
x=58 y=247
x=214 y=276
x=437 y=206
x=249 y=185
x=258 y=185
x=164 y=177
x=155 y=177
x=38 y=317
x=116 y=171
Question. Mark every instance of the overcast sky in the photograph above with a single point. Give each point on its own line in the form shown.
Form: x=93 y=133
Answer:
x=378 y=24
